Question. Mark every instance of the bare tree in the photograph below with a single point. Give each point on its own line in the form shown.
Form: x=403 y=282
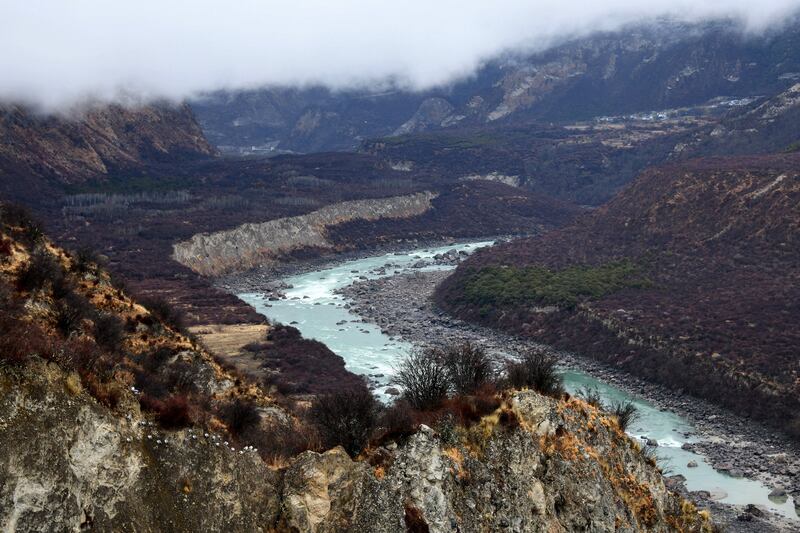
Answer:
x=424 y=379
x=346 y=417
x=468 y=367
x=535 y=370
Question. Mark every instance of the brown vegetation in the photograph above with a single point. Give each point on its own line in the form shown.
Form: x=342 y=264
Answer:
x=717 y=240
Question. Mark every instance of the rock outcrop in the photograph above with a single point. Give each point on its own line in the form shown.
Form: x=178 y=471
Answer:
x=432 y=112
x=251 y=245
x=537 y=464
x=69 y=464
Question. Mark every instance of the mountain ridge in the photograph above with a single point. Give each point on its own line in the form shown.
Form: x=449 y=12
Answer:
x=637 y=69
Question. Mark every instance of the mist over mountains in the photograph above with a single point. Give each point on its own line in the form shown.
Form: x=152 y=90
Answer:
x=640 y=69
x=68 y=54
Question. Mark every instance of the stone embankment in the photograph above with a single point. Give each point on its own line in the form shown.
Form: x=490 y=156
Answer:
x=252 y=245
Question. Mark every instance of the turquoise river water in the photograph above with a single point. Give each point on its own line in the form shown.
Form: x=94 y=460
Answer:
x=313 y=307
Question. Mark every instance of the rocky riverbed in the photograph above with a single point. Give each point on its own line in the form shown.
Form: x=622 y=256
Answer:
x=401 y=306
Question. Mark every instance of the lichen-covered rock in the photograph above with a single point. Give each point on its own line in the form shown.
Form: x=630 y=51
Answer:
x=67 y=463
x=565 y=468
x=320 y=490
x=536 y=464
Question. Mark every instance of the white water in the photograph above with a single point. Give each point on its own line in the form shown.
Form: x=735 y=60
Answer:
x=313 y=308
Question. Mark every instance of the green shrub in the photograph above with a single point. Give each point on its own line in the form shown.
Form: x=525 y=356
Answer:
x=493 y=286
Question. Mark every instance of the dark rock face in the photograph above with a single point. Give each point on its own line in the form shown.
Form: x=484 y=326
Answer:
x=37 y=151
x=637 y=69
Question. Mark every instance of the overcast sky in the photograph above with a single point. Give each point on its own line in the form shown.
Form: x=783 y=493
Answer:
x=56 y=53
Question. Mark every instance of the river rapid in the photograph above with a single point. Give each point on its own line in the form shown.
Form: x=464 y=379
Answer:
x=311 y=303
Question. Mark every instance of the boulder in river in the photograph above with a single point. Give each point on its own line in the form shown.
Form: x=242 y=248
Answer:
x=778 y=492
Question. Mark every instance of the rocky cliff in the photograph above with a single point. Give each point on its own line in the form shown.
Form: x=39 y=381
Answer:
x=251 y=245
x=69 y=464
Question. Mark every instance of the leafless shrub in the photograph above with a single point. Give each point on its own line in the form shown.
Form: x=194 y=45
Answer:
x=241 y=416
x=535 y=370
x=468 y=367
x=625 y=413
x=109 y=331
x=42 y=268
x=424 y=379
x=345 y=418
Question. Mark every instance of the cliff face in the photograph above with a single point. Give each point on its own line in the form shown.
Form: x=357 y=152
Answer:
x=251 y=245
x=68 y=463
x=93 y=145
x=562 y=469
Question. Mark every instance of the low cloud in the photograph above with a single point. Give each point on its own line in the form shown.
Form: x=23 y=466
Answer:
x=57 y=53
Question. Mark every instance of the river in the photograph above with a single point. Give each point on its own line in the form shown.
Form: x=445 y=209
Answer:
x=312 y=306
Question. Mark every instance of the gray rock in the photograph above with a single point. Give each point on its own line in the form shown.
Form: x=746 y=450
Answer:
x=778 y=492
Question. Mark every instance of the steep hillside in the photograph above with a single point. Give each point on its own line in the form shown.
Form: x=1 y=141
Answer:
x=114 y=420
x=767 y=126
x=659 y=66
x=37 y=152
x=688 y=277
x=585 y=163
x=64 y=308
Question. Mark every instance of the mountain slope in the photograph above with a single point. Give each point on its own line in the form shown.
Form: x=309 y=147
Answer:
x=767 y=126
x=688 y=277
x=37 y=152
x=658 y=66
